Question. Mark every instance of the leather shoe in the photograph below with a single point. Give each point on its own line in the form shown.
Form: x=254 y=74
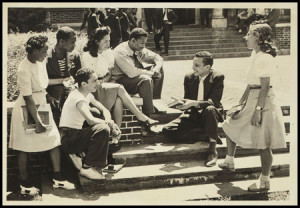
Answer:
x=211 y=160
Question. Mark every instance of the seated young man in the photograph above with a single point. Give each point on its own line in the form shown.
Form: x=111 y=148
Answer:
x=93 y=139
x=131 y=61
x=203 y=89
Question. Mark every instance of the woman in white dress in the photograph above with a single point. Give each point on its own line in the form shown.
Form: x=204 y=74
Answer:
x=33 y=80
x=259 y=124
x=99 y=57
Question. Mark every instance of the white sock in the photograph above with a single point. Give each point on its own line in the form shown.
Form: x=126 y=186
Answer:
x=229 y=159
x=264 y=178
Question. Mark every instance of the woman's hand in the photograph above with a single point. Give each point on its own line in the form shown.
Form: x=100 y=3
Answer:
x=40 y=128
x=256 y=118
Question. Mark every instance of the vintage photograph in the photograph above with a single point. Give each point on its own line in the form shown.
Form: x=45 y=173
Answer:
x=149 y=103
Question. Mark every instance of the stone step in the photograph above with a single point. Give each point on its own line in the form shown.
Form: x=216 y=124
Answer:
x=198 y=37
x=216 y=55
x=211 y=50
x=166 y=150
x=201 y=46
x=182 y=173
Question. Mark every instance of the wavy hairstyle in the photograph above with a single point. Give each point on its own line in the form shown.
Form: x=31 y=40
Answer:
x=96 y=36
x=35 y=42
x=264 y=35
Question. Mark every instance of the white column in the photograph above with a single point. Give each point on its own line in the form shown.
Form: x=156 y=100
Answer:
x=218 y=19
x=197 y=16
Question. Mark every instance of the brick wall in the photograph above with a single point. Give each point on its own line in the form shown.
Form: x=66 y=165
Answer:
x=282 y=36
x=40 y=162
x=66 y=15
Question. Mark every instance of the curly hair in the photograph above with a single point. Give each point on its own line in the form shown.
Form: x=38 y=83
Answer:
x=35 y=42
x=264 y=35
x=83 y=75
x=65 y=33
x=95 y=37
x=207 y=57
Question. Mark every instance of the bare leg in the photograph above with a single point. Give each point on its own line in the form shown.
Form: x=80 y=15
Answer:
x=22 y=162
x=117 y=112
x=231 y=147
x=266 y=161
x=55 y=158
x=128 y=102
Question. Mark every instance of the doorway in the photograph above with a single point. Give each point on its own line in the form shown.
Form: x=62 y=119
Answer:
x=185 y=16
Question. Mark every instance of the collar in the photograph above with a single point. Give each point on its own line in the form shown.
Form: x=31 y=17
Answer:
x=129 y=51
x=203 y=78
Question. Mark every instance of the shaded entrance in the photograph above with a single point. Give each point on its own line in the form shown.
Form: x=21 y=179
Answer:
x=185 y=16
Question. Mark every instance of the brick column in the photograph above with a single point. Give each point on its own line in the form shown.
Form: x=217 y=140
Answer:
x=218 y=19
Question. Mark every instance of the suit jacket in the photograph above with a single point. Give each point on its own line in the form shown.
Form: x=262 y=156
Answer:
x=213 y=88
x=53 y=70
x=273 y=17
x=113 y=22
x=158 y=18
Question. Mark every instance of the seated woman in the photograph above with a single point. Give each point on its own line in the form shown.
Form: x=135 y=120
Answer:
x=33 y=80
x=98 y=56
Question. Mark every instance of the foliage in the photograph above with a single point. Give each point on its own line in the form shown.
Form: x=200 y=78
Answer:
x=16 y=53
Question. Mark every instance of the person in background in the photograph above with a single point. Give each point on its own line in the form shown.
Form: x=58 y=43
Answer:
x=33 y=80
x=205 y=18
x=259 y=124
x=132 y=18
x=163 y=20
x=203 y=90
x=124 y=23
x=149 y=14
x=99 y=57
x=131 y=70
x=260 y=13
x=94 y=21
x=62 y=63
x=112 y=20
x=244 y=18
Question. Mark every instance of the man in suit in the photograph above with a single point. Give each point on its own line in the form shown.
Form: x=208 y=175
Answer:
x=203 y=90
x=162 y=21
x=112 y=20
x=205 y=19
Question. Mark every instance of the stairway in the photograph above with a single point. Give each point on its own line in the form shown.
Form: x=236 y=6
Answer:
x=159 y=166
x=186 y=40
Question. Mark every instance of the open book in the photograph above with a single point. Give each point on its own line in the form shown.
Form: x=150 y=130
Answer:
x=44 y=113
x=175 y=103
x=235 y=109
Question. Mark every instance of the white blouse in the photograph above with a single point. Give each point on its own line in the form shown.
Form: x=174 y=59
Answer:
x=261 y=65
x=99 y=64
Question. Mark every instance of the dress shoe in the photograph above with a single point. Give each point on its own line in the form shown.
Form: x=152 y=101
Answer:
x=31 y=191
x=264 y=186
x=227 y=166
x=63 y=184
x=211 y=160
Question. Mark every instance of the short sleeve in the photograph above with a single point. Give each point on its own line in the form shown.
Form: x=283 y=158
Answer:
x=110 y=58
x=24 y=81
x=264 y=66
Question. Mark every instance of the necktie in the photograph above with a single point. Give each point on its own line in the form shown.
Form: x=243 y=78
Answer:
x=200 y=89
x=136 y=61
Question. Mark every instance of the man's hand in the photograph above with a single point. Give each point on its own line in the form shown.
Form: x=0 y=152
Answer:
x=188 y=104
x=156 y=75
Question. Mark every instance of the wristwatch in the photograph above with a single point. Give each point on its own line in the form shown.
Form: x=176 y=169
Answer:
x=258 y=108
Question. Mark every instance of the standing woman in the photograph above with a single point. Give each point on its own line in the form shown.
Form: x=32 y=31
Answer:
x=259 y=125
x=33 y=80
x=99 y=57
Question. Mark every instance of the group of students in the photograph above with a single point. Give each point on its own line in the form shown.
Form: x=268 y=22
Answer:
x=246 y=17
x=121 y=22
x=92 y=112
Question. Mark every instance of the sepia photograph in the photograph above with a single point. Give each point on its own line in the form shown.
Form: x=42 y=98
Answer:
x=150 y=103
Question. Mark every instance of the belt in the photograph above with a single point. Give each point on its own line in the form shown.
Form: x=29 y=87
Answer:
x=257 y=87
x=100 y=78
x=65 y=128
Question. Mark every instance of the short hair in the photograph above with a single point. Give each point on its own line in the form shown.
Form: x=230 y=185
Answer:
x=207 y=57
x=138 y=32
x=96 y=35
x=65 y=33
x=83 y=75
x=35 y=42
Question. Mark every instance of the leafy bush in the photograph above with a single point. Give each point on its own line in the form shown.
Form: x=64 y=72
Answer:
x=27 y=19
x=16 y=53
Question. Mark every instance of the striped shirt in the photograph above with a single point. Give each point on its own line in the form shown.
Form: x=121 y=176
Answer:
x=62 y=66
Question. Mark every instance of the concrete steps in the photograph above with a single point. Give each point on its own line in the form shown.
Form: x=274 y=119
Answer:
x=185 y=41
x=182 y=173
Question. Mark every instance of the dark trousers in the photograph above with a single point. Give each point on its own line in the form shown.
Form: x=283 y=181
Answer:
x=205 y=19
x=149 y=12
x=146 y=87
x=243 y=24
x=187 y=125
x=166 y=34
x=92 y=140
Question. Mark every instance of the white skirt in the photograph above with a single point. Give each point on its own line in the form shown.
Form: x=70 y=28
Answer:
x=31 y=142
x=270 y=134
